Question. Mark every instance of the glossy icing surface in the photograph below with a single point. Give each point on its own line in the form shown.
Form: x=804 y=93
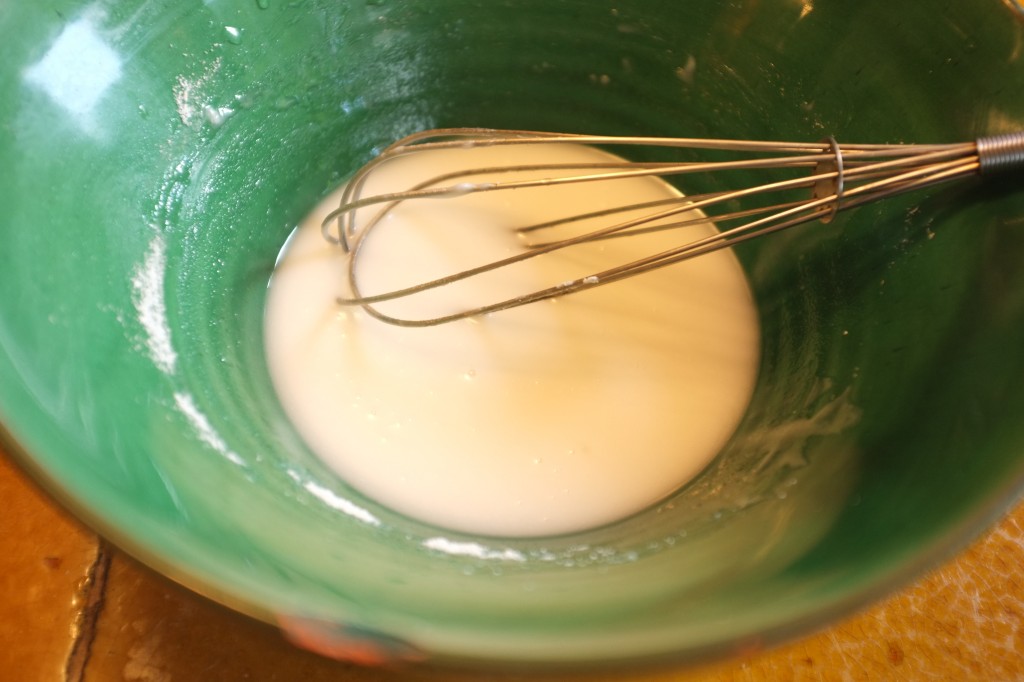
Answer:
x=548 y=419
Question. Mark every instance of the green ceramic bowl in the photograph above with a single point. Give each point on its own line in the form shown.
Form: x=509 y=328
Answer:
x=155 y=154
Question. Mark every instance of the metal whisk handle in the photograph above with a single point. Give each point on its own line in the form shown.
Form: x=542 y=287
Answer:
x=1000 y=152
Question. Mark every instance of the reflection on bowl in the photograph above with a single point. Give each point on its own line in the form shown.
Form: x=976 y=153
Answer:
x=158 y=156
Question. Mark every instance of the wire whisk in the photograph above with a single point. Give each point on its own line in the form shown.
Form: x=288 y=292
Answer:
x=798 y=182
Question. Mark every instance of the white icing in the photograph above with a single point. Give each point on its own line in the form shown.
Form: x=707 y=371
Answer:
x=550 y=418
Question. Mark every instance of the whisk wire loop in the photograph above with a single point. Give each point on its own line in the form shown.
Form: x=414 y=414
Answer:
x=838 y=177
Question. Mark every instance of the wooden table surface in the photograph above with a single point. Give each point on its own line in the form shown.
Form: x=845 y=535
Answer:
x=73 y=609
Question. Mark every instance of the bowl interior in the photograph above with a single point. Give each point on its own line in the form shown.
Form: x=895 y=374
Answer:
x=158 y=154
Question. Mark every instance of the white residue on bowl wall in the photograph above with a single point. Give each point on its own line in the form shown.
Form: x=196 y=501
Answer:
x=217 y=115
x=686 y=72
x=334 y=500
x=151 y=311
x=201 y=424
x=190 y=97
x=784 y=443
x=473 y=549
x=148 y=299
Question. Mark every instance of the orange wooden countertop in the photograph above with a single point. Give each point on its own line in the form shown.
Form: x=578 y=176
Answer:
x=74 y=610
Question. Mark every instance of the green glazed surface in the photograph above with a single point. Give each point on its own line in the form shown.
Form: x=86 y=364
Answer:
x=155 y=155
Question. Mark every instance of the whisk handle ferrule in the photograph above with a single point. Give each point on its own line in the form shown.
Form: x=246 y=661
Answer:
x=830 y=186
x=1000 y=152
